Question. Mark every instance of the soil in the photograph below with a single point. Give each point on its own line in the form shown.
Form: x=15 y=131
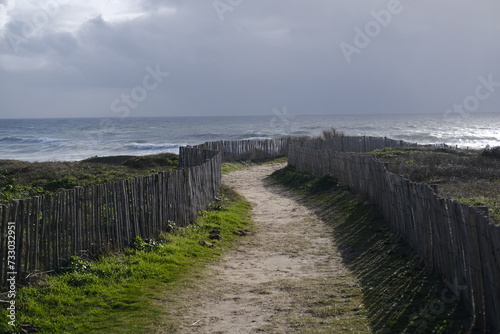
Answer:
x=274 y=278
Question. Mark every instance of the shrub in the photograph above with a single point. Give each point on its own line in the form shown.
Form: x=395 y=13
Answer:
x=153 y=161
x=491 y=152
x=331 y=133
x=139 y=244
x=75 y=265
x=66 y=182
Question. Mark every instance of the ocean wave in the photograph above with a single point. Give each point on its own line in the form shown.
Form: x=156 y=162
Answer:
x=473 y=138
x=368 y=128
x=208 y=135
x=256 y=138
x=476 y=141
x=21 y=140
x=251 y=135
x=425 y=137
x=152 y=147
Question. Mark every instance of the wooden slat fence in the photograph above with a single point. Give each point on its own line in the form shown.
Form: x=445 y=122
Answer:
x=249 y=150
x=355 y=143
x=106 y=217
x=455 y=239
x=258 y=150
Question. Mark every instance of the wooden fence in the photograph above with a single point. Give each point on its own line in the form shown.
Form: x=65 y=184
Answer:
x=354 y=143
x=455 y=239
x=258 y=150
x=359 y=144
x=105 y=217
x=255 y=150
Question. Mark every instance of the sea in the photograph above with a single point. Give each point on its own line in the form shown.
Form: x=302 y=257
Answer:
x=72 y=139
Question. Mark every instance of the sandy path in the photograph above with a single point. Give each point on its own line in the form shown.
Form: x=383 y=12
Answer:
x=268 y=278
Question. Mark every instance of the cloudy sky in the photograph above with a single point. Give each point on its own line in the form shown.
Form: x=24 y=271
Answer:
x=68 y=58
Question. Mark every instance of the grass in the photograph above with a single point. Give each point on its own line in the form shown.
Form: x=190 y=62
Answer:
x=398 y=293
x=321 y=305
x=119 y=293
x=330 y=133
x=228 y=167
x=467 y=176
x=22 y=179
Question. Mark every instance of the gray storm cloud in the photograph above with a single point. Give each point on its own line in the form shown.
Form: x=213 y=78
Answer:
x=63 y=59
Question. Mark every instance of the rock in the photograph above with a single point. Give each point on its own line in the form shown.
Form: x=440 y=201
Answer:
x=243 y=232
x=206 y=244
x=27 y=328
x=215 y=236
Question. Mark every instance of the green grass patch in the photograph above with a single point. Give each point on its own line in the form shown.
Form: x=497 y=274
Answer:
x=399 y=294
x=480 y=201
x=228 y=167
x=118 y=293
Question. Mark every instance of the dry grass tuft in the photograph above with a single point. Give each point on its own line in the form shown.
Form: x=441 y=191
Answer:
x=330 y=134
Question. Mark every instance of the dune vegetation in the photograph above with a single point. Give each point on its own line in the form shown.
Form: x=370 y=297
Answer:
x=22 y=179
x=468 y=176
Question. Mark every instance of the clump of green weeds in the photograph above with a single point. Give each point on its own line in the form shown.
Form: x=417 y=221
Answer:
x=148 y=245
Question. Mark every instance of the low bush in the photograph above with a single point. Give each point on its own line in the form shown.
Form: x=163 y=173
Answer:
x=491 y=152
